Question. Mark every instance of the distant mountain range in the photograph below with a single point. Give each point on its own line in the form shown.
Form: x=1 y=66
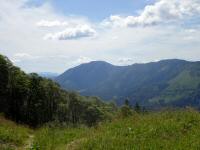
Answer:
x=49 y=75
x=165 y=83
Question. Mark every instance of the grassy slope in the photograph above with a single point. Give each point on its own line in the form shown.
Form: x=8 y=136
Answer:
x=13 y=136
x=57 y=138
x=167 y=130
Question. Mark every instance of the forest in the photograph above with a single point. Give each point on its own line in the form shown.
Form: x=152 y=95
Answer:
x=33 y=100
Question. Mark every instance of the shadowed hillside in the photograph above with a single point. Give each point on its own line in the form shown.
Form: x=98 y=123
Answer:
x=164 y=83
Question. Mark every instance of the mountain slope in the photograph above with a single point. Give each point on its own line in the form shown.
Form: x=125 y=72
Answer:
x=157 y=83
x=85 y=75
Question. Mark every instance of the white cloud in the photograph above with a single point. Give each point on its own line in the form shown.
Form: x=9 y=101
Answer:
x=20 y=34
x=72 y=33
x=73 y=29
x=163 y=11
x=56 y=23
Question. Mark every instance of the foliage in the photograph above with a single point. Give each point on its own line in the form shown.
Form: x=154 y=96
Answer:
x=33 y=100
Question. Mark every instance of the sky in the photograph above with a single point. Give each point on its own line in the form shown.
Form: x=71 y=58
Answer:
x=55 y=35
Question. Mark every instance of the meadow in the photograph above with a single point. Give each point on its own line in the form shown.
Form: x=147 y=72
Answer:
x=167 y=130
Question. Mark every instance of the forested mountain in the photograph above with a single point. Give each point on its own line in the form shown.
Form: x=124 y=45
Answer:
x=165 y=83
x=33 y=100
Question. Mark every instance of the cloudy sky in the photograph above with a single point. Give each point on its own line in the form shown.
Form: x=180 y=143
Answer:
x=54 y=35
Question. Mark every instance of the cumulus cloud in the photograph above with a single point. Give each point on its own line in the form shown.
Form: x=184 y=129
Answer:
x=73 y=29
x=72 y=33
x=163 y=11
x=22 y=28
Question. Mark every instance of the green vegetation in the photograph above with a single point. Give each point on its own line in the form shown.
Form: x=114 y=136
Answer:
x=12 y=136
x=55 y=119
x=33 y=100
x=153 y=131
x=166 y=130
x=57 y=138
x=158 y=84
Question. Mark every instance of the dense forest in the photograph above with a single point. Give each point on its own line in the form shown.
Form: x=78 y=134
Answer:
x=33 y=100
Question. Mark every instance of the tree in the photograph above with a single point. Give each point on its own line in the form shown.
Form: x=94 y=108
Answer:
x=74 y=108
x=137 y=107
x=92 y=115
x=18 y=94
x=4 y=79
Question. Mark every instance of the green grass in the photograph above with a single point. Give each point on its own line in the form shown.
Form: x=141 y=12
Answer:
x=178 y=130
x=12 y=136
x=57 y=138
x=167 y=130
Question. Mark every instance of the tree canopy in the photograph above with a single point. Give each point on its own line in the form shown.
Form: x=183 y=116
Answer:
x=33 y=100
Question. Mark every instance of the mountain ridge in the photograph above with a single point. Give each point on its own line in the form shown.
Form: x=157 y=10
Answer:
x=144 y=83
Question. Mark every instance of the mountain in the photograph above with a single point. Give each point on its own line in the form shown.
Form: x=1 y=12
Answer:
x=170 y=82
x=48 y=75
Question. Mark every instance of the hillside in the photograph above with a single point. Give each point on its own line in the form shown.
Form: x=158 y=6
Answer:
x=13 y=136
x=164 y=83
x=167 y=130
x=33 y=100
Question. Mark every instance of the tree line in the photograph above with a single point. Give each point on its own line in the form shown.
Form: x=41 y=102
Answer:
x=33 y=100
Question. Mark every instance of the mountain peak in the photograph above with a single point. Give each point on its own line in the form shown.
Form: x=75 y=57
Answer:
x=98 y=62
x=108 y=81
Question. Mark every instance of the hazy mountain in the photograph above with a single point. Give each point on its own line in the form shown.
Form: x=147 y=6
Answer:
x=49 y=75
x=167 y=82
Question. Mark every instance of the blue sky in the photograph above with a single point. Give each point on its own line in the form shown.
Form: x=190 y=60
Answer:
x=55 y=35
x=95 y=10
